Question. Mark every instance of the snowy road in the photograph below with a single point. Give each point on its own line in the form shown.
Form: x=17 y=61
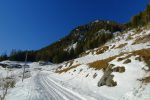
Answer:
x=45 y=88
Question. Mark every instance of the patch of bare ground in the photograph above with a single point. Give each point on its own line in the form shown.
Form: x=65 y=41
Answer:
x=143 y=39
x=144 y=54
x=67 y=64
x=101 y=64
x=121 y=45
x=102 y=49
x=66 y=69
x=146 y=80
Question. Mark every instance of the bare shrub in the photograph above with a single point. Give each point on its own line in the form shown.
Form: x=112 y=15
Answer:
x=101 y=64
x=5 y=85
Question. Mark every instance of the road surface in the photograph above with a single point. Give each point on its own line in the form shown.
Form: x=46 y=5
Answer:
x=44 y=88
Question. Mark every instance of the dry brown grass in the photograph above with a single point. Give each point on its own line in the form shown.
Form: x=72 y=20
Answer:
x=101 y=64
x=66 y=69
x=142 y=52
x=121 y=45
x=145 y=54
x=143 y=39
x=102 y=49
x=146 y=80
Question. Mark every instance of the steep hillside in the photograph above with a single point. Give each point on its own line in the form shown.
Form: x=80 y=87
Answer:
x=80 y=39
x=101 y=60
x=118 y=70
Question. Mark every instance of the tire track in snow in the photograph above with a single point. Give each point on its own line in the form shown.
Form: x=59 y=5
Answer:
x=45 y=88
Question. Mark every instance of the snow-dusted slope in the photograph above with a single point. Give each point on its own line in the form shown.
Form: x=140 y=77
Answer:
x=121 y=67
x=83 y=78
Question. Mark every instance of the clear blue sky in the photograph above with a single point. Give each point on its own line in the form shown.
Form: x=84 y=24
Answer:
x=33 y=24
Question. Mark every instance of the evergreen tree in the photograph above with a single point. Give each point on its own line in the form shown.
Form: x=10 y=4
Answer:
x=3 y=57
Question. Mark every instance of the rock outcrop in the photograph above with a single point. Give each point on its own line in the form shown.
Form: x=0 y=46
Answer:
x=107 y=78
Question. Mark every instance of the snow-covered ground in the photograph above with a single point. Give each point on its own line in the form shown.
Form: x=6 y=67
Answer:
x=80 y=82
x=81 y=78
x=41 y=87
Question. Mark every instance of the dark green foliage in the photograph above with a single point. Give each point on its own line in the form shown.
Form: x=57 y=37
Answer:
x=72 y=53
x=20 y=55
x=79 y=49
x=86 y=36
x=3 y=57
x=61 y=56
